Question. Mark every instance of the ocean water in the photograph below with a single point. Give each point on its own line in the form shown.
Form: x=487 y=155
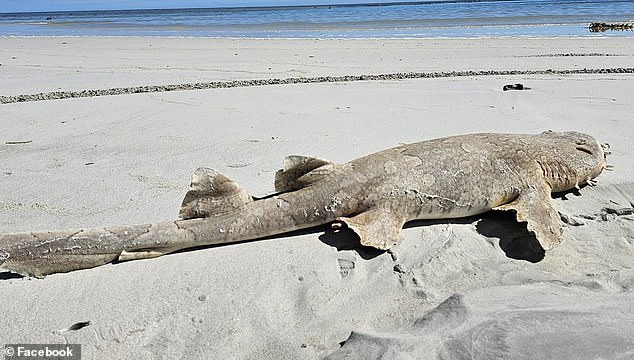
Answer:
x=425 y=19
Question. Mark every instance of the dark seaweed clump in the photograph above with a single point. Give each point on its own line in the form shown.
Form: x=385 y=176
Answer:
x=601 y=27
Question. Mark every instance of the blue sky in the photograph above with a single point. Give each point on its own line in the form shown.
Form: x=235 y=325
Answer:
x=61 y=5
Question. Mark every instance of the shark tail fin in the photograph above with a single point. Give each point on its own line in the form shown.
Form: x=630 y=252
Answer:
x=211 y=193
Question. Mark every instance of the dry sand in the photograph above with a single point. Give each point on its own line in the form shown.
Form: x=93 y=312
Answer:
x=474 y=288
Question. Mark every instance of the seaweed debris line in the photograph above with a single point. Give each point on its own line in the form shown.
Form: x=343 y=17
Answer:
x=601 y=27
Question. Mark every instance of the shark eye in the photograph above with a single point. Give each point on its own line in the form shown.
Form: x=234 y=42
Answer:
x=584 y=149
x=582 y=145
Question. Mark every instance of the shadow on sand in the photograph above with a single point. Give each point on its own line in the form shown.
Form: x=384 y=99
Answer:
x=514 y=238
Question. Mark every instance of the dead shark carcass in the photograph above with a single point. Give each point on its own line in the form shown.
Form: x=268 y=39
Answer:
x=374 y=196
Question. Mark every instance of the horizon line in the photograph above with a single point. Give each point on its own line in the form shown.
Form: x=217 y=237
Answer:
x=343 y=4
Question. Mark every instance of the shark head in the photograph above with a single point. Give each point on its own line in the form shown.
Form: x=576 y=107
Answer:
x=572 y=159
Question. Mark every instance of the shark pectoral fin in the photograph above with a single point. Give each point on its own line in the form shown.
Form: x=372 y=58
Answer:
x=536 y=209
x=376 y=227
x=300 y=171
x=211 y=193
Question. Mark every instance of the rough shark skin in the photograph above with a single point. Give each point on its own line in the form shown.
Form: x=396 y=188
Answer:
x=374 y=196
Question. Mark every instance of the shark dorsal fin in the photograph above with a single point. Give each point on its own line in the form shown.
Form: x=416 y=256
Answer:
x=300 y=171
x=211 y=193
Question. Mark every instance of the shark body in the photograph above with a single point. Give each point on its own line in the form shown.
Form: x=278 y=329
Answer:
x=374 y=196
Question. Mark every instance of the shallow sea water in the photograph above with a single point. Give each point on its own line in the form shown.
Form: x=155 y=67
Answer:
x=424 y=19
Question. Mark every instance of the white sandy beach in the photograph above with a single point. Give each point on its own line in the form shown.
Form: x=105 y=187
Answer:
x=472 y=288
